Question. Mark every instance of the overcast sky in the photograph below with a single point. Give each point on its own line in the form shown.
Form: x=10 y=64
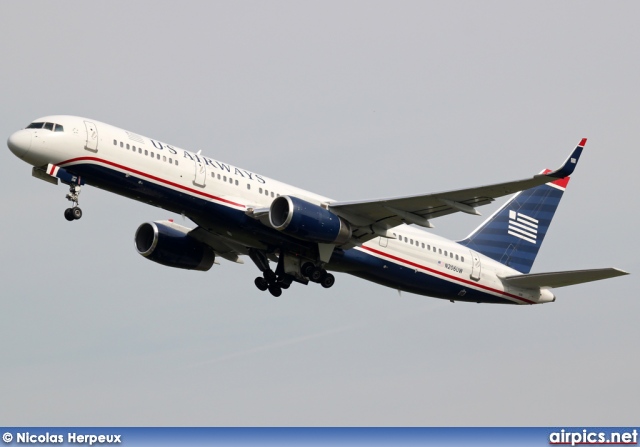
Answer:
x=352 y=100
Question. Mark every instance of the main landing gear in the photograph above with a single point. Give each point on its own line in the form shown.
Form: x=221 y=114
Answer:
x=276 y=281
x=73 y=196
x=317 y=274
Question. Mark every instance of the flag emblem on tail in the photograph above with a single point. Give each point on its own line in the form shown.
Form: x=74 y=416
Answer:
x=523 y=226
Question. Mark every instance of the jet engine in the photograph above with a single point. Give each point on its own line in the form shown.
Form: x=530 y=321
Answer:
x=306 y=221
x=169 y=244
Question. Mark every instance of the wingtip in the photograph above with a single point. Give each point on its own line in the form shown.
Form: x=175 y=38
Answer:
x=583 y=142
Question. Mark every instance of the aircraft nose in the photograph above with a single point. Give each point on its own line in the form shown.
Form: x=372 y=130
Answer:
x=20 y=143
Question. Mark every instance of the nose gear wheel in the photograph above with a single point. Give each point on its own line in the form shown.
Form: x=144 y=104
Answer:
x=73 y=196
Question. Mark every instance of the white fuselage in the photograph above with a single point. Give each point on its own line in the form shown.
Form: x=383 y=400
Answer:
x=173 y=178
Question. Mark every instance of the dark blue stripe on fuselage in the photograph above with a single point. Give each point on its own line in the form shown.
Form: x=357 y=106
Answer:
x=354 y=262
x=388 y=273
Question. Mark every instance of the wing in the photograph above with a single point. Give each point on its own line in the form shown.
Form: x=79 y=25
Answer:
x=561 y=279
x=374 y=217
x=222 y=247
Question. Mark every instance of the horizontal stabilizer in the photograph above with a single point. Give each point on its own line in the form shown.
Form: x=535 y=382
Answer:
x=561 y=279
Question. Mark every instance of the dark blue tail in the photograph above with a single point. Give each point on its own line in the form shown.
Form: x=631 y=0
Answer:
x=513 y=234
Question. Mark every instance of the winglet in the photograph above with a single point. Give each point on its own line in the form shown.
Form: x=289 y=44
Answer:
x=570 y=163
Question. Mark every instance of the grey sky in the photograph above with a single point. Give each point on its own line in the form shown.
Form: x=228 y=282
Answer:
x=352 y=100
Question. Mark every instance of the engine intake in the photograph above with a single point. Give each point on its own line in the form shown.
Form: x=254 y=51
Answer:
x=169 y=244
x=306 y=221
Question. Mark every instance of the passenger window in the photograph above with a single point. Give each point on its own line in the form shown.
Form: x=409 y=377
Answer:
x=133 y=148
x=439 y=250
x=139 y=150
x=266 y=193
x=236 y=183
x=411 y=241
x=146 y=152
x=176 y=162
x=230 y=180
x=152 y=155
x=128 y=146
x=451 y=255
x=48 y=126
x=59 y=128
x=462 y=258
x=158 y=156
x=218 y=176
x=121 y=144
x=260 y=190
x=170 y=160
x=271 y=193
x=115 y=142
x=423 y=245
x=248 y=185
x=456 y=257
x=164 y=158
x=428 y=247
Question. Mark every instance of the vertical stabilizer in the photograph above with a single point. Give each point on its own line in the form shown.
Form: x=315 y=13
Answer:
x=513 y=234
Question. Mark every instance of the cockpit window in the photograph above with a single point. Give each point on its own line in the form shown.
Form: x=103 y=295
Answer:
x=49 y=126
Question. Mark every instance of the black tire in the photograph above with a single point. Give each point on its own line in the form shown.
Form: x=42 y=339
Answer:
x=306 y=269
x=317 y=274
x=76 y=212
x=328 y=280
x=275 y=290
x=261 y=283
x=68 y=214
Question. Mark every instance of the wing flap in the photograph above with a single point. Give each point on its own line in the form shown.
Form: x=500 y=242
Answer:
x=561 y=279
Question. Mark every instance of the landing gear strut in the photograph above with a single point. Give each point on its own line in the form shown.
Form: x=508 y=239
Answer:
x=73 y=196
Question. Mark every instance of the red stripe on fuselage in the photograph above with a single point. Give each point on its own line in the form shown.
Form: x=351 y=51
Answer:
x=152 y=177
x=446 y=275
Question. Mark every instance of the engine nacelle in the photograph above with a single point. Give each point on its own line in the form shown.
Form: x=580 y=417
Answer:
x=306 y=221
x=168 y=244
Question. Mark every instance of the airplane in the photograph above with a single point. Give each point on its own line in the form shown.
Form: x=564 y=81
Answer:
x=306 y=236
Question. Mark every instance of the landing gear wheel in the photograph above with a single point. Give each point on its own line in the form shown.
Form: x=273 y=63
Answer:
x=275 y=290
x=68 y=214
x=261 y=283
x=306 y=269
x=328 y=280
x=316 y=274
x=76 y=212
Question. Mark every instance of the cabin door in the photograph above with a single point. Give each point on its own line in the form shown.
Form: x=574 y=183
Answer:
x=92 y=137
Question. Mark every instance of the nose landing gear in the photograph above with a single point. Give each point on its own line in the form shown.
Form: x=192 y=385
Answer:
x=73 y=196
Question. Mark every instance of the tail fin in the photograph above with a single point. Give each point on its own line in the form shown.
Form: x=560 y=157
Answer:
x=513 y=234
